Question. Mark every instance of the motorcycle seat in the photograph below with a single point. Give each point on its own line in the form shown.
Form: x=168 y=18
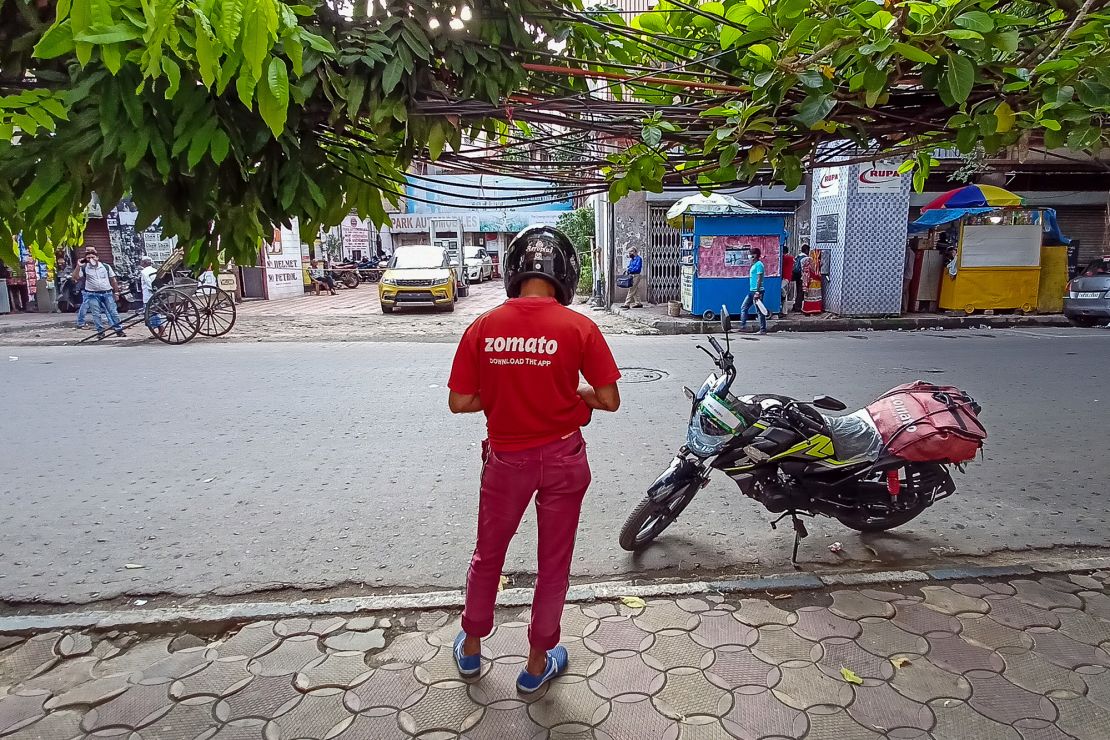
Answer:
x=854 y=436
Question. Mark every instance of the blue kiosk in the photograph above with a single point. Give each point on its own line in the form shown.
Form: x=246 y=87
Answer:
x=718 y=234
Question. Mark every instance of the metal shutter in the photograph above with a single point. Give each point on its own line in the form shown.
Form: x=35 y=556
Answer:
x=1088 y=224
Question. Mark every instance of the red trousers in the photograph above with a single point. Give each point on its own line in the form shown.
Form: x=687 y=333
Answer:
x=558 y=474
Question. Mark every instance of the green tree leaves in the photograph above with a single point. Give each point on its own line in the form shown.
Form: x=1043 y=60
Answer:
x=273 y=97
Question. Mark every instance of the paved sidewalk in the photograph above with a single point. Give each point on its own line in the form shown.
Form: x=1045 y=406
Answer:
x=1018 y=660
x=655 y=317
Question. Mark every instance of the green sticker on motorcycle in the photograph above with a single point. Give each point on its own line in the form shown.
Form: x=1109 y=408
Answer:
x=722 y=412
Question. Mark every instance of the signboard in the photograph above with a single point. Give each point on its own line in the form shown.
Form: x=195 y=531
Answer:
x=283 y=264
x=879 y=178
x=356 y=233
x=421 y=223
x=686 y=288
x=228 y=282
x=730 y=256
x=828 y=228
x=828 y=183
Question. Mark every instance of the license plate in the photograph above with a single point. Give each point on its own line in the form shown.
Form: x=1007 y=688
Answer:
x=1090 y=295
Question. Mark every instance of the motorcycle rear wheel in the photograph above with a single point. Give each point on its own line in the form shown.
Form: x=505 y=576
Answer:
x=862 y=520
x=648 y=520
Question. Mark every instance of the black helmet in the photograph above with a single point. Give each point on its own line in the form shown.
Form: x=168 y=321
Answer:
x=541 y=252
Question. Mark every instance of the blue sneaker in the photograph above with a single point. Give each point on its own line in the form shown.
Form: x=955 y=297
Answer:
x=468 y=665
x=557 y=659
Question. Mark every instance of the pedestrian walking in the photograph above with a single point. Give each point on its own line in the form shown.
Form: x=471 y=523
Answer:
x=755 y=292
x=798 y=276
x=789 y=287
x=520 y=364
x=635 y=270
x=101 y=289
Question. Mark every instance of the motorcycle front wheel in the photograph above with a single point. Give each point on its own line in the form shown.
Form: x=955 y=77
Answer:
x=648 y=520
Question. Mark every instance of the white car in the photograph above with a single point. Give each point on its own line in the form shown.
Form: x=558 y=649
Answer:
x=479 y=265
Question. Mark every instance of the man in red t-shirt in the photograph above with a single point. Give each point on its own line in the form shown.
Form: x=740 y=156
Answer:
x=521 y=364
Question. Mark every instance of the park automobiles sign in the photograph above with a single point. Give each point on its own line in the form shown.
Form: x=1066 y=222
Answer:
x=879 y=177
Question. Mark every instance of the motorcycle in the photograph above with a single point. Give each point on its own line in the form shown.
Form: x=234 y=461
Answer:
x=345 y=275
x=797 y=462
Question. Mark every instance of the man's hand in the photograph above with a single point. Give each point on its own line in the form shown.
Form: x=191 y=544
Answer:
x=605 y=398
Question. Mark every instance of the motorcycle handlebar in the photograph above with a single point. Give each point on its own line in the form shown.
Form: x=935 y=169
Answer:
x=716 y=345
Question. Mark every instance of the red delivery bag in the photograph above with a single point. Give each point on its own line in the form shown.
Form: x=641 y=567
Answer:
x=922 y=422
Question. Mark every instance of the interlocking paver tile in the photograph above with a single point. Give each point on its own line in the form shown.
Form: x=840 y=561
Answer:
x=947 y=601
x=569 y=732
x=1096 y=603
x=251 y=641
x=953 y=653
x=431 y=621
x=360 y=641
x=1035 y=729
x=688 y=692
x=634 y=718
x=62 y=725
x=21 y=709
x=411 y=648
x=958 y=721
x=1001 y=587
x=287 y=658
x=218 y=679
x=734 y=667
x=779 y=644
x=244 y=729
x=718 y=628
x=694 y=606
x=1085 y=583
x=837 y=725
x=1081 y=718
x=1098 y=687
x=840 y=652
x=72 y=645
x=367 y=726
x=975 y=590
x=883 y=637
x=507 y=639
x=1066 y=585
x=176 y=665
x=186 y=721
x=1040 y=595
x=760 y=714
x=817 y=623
x=569 y=700
x=1033 y=672
x=676 y=649
x=64 y=676
x=337 y=670
x=575 y=622
x=1066 y=652
x=1083 y=627
x=28 y=659
x=581 y=661
x=888 y=596
x=854 y=605
x=600 y=610
x=805 y=686
x=263 y=698
x=133 y=709
x=96 y=691
x=441 y=667
x=497 y=684
x=318 y=715
x=702 y=728
x=134 y=659
x=995 y=697
x=445 y=635
x=921 y=620
x=626 y=673
x=318 y=627
x=987 y=633
x=6 y=641
x=500 y=722
x=617 y=633
x=1009 y=611
x=920 y=680
x=760 y=612
x=392 y=686
x=660 y=615
x=879 y=707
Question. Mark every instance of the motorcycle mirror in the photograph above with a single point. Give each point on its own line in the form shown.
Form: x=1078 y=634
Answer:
x=828 y=403
x=726 y=320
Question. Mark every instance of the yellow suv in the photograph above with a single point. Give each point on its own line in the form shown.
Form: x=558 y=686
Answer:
x=418 y=275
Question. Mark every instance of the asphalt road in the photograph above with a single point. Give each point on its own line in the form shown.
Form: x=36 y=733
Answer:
x=237 y=467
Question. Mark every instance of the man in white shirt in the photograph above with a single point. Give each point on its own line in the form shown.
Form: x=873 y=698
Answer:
x=146 y=277
x=100 y=292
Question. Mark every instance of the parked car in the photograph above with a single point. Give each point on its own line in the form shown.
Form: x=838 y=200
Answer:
x=1088 y=300
x=479 y=265
x=418 y=275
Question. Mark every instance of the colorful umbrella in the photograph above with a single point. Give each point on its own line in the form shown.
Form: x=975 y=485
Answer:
x=976 y=196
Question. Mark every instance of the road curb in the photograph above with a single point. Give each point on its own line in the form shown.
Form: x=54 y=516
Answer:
x=164 y=619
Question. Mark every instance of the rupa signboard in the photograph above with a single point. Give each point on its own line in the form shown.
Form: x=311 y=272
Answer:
x=879 y=177
x=828 y=183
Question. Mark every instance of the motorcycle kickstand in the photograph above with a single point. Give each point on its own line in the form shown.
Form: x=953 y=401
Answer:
x=800 y=533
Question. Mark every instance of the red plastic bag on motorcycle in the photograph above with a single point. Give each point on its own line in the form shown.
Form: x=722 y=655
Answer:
x=922 y=422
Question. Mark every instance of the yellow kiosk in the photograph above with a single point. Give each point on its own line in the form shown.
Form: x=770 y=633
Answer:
x=997 y=264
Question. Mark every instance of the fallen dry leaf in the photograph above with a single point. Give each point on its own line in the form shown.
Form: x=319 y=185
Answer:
x=503 y=583
x=633 y=602
x=850 y=676
x=900 y=662
x=780 y=597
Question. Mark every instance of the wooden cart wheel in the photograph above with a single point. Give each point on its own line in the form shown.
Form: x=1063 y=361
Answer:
x=172 y=317
x=217 y=310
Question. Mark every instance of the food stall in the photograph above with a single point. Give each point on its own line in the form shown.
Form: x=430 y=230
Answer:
x=718 y=236
x=994 y=261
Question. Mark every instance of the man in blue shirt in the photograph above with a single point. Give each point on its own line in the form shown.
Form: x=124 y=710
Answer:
x=635 y=271
x=755 y=292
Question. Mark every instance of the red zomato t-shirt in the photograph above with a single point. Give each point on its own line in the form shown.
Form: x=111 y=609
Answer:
x=524 y=358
